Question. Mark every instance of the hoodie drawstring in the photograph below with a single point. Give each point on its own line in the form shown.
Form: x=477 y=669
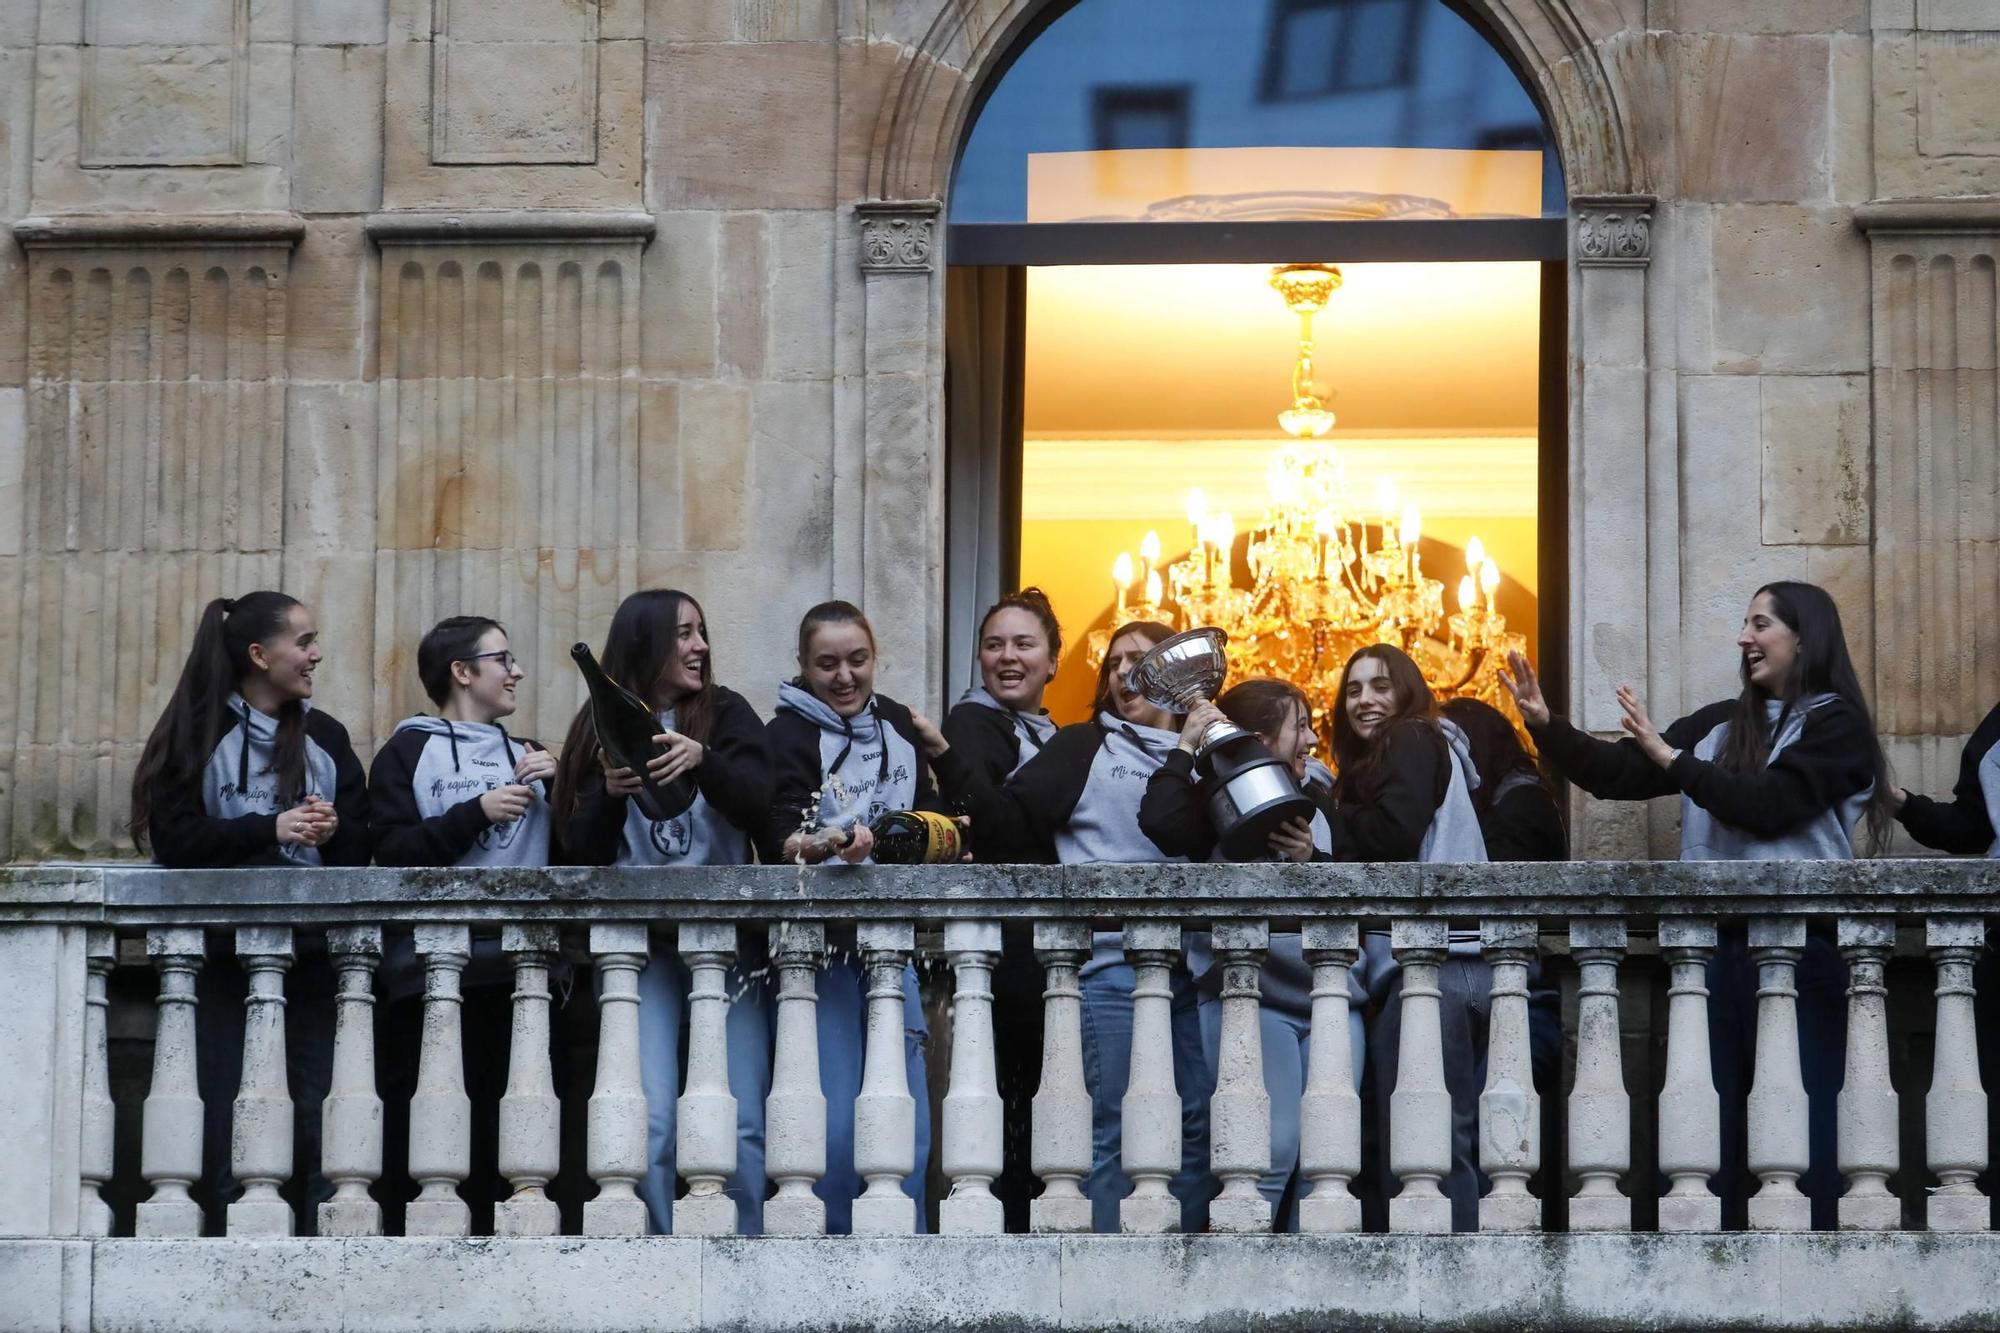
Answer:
x=243 y=759
x=847 y=728
x=452 y=732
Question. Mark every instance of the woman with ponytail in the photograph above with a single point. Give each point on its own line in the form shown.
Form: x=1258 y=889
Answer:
x=242 y=770
x=658 y=648
x=1783 y=772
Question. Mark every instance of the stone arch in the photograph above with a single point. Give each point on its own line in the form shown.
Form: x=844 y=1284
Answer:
x=1556 y=44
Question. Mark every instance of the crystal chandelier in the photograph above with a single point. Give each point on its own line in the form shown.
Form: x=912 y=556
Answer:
x=1326 y=577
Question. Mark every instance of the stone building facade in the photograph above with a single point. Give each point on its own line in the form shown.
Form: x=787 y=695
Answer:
x=413 y=306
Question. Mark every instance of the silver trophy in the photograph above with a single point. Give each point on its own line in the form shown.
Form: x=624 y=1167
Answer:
x=1250 y=792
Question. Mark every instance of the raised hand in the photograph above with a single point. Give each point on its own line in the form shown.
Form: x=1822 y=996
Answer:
x=929 y=738
x=1199 y=719
x=1520 y=681
x=1640 y=727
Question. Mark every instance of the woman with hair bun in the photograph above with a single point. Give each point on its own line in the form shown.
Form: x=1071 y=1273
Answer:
x=1784 y=771
x=242 y=770
x=1000 y=724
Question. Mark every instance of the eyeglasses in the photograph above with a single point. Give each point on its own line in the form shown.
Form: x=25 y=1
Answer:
x=503 y=657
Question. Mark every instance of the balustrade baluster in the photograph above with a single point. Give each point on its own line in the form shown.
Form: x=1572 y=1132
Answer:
x=530 y=1151
x=1061 y=1105
x=440 y=1112
x=97 y=1114
x=1240 y=1109
x=260 y=1139
x=705 y=1145
x=1151 y=1110
x=1867 y=1101
x=617 y=1150
x=1330 y=1110
x=1510 y=1112
x=352 y=1112
x=1420 y=1105
x=170 y=1149
x=885 y=1114
x=1600 y=1113
x=972 y=1113
x=1690 y=1113
x=1955 y=1110
x=1777 y=1110
x=795 y=1110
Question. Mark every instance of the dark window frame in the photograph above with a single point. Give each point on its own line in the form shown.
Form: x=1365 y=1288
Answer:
x=1341 y=75
x=1110 y=100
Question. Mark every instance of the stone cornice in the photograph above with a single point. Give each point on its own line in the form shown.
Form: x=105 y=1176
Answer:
x=1613 y=230
x=1930 y=216
x=96 y=230
x=898 y=236
x=511 y=226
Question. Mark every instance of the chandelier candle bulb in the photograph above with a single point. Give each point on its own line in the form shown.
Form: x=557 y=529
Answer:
x=1121 y=579
x=1475 y=555
x=1489 y=579
x=1468 y=595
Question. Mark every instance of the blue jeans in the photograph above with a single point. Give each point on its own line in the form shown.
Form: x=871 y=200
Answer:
x=843 y=1038
x=1107 y=1067
x=663 y=1001
x=1287 y=1045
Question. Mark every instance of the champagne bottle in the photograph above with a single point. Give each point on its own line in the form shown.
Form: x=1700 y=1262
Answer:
x=918 y=837
x=625 y=728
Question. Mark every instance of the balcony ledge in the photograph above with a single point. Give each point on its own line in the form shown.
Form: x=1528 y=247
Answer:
x=1601 y=1283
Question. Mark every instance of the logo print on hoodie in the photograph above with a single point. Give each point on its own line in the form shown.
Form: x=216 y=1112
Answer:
x=672 y=837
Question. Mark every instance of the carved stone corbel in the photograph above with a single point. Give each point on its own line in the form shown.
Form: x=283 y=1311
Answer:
x=898 y=236
x=1614 y=230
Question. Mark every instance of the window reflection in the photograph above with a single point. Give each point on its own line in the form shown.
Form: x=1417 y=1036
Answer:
x=1130 y=75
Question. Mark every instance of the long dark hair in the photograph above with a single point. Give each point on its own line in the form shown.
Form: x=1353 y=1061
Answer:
x=1496 y=748
x=197 y=715
x=1822 y=666
x=641 y=643
x=1036 y=603
x=1152 y=631
x=1357 y=760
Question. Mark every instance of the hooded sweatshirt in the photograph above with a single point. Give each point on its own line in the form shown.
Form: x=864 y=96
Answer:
x=834 y=772
x=1803 y=803
x=233 y=821
x=994 y=738
x=426 y=784
x=1966 y=826
x=732 y=796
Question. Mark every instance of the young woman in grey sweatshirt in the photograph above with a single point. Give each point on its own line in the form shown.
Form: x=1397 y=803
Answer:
x=1785 y=771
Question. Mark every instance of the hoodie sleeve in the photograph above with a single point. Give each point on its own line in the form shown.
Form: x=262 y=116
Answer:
x=402 y=836
x=1172 y=812
x=984 y=739
x=1960 y=826
x=596 y=824
x=1619 y=770
x=1832 y=759
x=735 y=775
x=352 y=841
x=1525 y=825
x=795 y=775
x=184 y=836
x=1391 y=827
x=1017 y=821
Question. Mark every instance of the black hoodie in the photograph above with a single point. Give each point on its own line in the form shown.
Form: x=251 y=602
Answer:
x=424 y=789
x=1965 y=826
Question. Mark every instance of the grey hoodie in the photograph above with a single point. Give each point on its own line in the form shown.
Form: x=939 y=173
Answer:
x=241 y=779
x=1034 y=729
x=698 y=836
x=462 y=761
x=1105 y=824
x=867 y=768
x=1827 y=837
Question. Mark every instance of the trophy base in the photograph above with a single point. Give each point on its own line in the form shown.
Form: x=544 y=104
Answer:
x=1252 y=794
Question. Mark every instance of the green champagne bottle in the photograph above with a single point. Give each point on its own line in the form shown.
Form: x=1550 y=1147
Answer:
x=625 y=728
x=918 y=837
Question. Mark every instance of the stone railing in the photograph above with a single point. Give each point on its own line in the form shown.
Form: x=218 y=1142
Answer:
x=61 y=932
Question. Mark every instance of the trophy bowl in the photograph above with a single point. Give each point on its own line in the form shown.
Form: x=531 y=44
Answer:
x=1182 y=671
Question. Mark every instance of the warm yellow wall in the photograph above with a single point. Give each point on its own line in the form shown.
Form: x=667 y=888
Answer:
x=1071 y=561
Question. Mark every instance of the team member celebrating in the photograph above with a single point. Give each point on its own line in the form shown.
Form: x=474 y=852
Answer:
x=844 y=757
x=1965 y=826
x=1785 y=771
x=1000 y=724
x=658 y=648
x=241 y=770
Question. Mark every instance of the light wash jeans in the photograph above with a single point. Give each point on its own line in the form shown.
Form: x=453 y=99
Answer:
x=663 y=1000
x=1107 y=1068
x=1287 y=1045
x=843 y=1037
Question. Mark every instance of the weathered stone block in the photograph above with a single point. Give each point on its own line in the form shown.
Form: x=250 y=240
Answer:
x=339 y=147
x=691 y=20
x=743 y=125
x=1766 y=258
x=13 y=466
x=1765 y=16
x=679 y=294
x=745 y=279
x=1957 y=113
x=715 y=460
x=1815 y=459
x=341 y=22
x=1734 y=91
x=333 y=307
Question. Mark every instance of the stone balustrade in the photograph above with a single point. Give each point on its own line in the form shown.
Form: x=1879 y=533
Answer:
x=61 y=931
